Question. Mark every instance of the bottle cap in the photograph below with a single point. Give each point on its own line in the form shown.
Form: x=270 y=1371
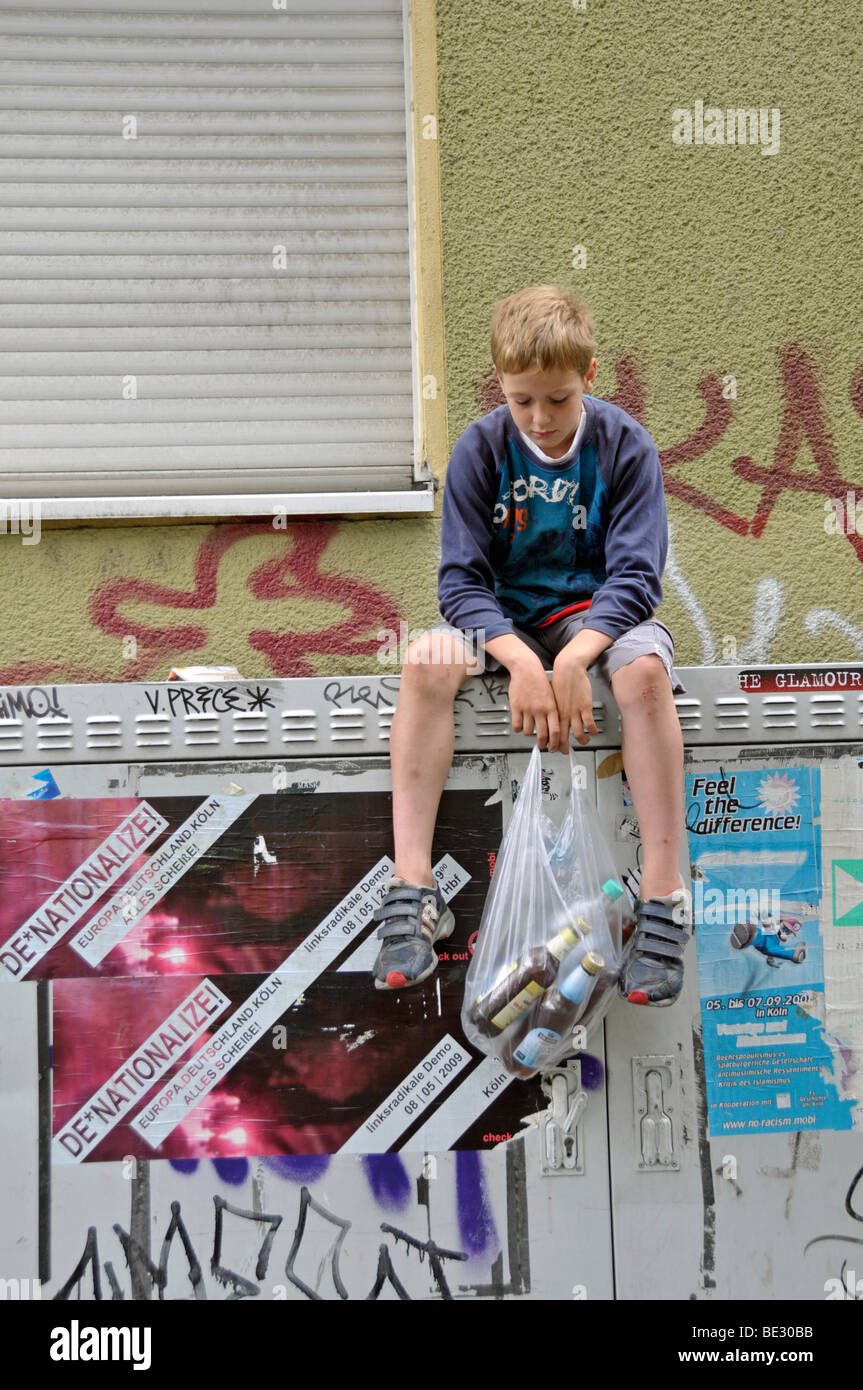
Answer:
x=592 y=963
x=562 y=943
x=612 y=889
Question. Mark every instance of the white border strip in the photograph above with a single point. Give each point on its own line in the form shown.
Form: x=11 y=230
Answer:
x=269 y=504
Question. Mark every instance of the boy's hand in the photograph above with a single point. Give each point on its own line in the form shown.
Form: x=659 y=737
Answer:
x=571 y=686
x=531 y=699
x=533 y=705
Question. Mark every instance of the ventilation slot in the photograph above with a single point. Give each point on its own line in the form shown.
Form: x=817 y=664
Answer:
x=779 y=711
x=201 y=729
x=54 y=734
x=11 y=736
x=251 y=728
x=299 y=726
x=104 y=731
x=827 y=710
x=491 y=722
x=347 y=725
x=152 y=731
x=688 y=712
x=731 y=712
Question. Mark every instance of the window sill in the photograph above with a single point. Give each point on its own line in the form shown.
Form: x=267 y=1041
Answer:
x=282 y=506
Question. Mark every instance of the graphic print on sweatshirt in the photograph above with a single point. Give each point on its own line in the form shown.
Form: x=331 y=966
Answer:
x=549 y=525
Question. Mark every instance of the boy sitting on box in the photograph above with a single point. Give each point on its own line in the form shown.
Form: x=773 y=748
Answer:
x=553 y=541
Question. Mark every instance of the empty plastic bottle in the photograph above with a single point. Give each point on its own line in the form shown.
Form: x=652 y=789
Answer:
x=524 y=983
x=553 y=1019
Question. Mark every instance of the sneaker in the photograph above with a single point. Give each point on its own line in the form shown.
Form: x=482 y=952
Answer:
x=414 y=917
x=653 y=968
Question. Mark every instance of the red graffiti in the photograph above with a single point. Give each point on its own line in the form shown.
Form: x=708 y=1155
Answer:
x=107 y=600
x=299 y=571
x=298 y=575
x=293 y=574
x=718 y=415
x=487 y=392
x=717 y=418
x=629 y=395
x=803 y=422
x=44 y=672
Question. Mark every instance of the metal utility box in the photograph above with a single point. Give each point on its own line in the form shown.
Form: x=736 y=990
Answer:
x=208 y=1098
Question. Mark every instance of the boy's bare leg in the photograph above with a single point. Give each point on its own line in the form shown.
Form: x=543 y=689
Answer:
x=413 y=914
x=422 y=740
x=653 y=758
x=422 y=736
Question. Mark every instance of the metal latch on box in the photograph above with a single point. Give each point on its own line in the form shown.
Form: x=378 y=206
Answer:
x=654 y=1087
x=561 y=1133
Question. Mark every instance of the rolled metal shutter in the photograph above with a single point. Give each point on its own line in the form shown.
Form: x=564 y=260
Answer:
x=204 y=254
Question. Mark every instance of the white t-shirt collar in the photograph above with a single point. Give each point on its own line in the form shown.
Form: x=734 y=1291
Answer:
x=571 y=451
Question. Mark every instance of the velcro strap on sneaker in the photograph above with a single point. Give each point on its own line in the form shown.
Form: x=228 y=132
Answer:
x=657 y=913
x=648 y=944
x=658 y=932
x=389 y=909
x=405 y=892
x=403 y=927
x=411 y=895
x=409 y=898
x=663 y=929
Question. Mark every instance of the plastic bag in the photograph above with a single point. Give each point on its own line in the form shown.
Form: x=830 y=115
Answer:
x=548 y=951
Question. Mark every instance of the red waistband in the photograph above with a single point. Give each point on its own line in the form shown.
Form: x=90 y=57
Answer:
x=565 y=612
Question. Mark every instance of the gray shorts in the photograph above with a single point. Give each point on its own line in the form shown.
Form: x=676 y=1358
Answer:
x=646 y=639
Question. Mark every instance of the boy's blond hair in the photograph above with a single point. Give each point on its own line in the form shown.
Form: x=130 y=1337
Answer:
x=543 y=327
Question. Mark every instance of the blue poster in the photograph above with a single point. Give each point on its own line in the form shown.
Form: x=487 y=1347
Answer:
x=755 y=850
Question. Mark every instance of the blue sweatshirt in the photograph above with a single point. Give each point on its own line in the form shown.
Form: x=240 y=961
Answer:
x=523 y=542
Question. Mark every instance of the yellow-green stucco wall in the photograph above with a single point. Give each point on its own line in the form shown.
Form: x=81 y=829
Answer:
x=725 y=282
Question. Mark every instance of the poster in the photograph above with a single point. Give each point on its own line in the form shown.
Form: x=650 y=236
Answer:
x=209 y=962
x=755 y=848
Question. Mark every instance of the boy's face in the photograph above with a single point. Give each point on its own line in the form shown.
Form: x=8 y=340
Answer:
x=546 y=405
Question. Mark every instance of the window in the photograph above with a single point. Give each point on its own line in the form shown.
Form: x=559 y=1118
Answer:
x=206 y=251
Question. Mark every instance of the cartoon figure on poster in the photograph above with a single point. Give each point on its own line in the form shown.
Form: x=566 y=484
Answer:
x=755 y=847
x=756 y=879
x=773 y=938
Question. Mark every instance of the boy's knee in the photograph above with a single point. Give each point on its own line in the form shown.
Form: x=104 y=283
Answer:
x=435 y=668
x=642 y=682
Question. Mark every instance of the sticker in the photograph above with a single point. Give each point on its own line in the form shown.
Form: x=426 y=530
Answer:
x=462 y=1108
x=82 y=888
x=149 y=1061
x=451 y=878
x=793 y=678
x=848 y=892
x=755 y=848
x=410 y=1098
x=261 y=1010
x=140 y=895
x=48 y=789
